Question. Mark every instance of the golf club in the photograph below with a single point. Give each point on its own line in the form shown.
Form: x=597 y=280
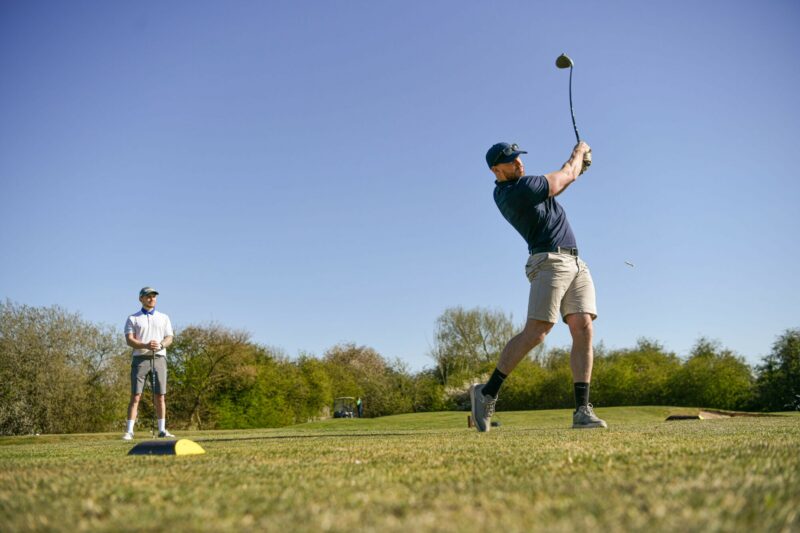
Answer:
x=564 y=61
x=153 y=386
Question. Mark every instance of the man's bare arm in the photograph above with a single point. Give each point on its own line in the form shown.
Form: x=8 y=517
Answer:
x=569 y=172
x=133 y=342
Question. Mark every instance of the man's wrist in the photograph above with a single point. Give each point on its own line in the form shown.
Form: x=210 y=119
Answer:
x=576 y=163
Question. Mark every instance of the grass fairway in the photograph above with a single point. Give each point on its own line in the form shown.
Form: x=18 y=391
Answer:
x=420 y=472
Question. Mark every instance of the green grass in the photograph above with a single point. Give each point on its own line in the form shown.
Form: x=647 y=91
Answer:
x=420 y=472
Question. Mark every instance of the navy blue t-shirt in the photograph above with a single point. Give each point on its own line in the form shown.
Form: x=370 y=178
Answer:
x=527 y=205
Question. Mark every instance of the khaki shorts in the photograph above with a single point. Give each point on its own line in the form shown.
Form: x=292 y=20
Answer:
x=560 y=285
x=140 y=372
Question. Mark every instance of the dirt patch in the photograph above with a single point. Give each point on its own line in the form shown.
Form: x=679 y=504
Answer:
x=705 y=415
x=710 y=414
x=717 y=413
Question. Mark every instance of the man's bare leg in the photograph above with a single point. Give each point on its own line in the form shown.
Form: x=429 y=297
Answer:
x=484 y=396
x=518 y=347
x=161 y=405
x=161 y=414
x=582 y=354
x=515 y=351
x=133 y=409
x=133 y=406
x=581 y=360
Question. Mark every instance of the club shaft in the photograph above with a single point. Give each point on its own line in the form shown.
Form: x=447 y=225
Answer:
x=577 y=135
x=153 y=387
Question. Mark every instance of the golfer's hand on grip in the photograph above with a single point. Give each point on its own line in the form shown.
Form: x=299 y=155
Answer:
x=587 y=155
x=154 y=345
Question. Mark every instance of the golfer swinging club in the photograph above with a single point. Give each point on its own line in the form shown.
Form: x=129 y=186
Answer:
x=561 y=285
x=148 y=332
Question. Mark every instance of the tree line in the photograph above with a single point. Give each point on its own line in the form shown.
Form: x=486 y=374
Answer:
x=60 y=373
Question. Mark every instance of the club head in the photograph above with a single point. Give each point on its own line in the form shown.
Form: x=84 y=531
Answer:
x=563 y=61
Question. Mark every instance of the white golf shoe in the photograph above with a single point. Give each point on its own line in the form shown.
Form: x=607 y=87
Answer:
x=482 y=407
x=165 y=435
x=584 y=418
x=127 y=436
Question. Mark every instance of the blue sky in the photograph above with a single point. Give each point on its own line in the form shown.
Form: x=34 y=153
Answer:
x=313 y=172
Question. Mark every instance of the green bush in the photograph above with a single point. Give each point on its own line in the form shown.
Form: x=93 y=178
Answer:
x=778 y=383
x=263 y=403
x=58 y=372
x=429 y=393
x=639 y=376
x=522 y=390
x=712 y=377
x=556 y=390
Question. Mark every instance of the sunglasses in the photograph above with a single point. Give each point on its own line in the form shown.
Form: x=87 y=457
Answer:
x=507 y=151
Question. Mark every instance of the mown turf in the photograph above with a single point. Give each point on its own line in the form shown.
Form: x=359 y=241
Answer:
x=422 y=472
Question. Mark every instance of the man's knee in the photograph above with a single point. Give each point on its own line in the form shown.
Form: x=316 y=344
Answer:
x=535 y=331
x=135 y=398
x=580 y=325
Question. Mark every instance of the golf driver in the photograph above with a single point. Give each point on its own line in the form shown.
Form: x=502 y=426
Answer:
x=564 y=61
x=153 y=386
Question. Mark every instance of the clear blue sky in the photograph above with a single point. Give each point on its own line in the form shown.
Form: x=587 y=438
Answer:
x=313 y=172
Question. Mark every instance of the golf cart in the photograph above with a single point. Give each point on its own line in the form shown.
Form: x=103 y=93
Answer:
x=344 y=407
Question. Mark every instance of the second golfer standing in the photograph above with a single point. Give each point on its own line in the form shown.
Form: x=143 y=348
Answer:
x=560 y=282
x=148 y=332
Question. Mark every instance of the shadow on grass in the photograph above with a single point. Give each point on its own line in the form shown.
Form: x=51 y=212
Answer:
x=315 y=436
x=405 y=433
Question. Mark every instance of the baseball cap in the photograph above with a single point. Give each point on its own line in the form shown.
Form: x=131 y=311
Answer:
x=502 y=153
x=147 y=290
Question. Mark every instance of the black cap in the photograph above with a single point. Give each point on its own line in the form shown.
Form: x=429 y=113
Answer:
x=502 y=153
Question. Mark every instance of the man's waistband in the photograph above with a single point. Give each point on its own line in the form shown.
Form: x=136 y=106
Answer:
x=554 y=250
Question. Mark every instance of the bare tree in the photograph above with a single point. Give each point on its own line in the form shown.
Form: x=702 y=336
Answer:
x=469 y=340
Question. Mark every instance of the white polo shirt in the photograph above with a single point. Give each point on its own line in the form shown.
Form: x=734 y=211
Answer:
x=146 y=327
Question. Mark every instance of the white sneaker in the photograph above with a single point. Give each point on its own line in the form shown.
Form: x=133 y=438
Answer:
x=584 y=418
x=127 y=436
x=482 y=407
x=165 y=435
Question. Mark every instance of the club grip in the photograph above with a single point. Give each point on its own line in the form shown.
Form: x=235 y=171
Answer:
x=587 y=161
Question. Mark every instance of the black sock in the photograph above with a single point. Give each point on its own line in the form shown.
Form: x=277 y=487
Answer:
x=493 y=386
x=581 y=394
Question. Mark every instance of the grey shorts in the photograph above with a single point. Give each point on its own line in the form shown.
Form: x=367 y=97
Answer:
x=561 y=285
x=140 y=372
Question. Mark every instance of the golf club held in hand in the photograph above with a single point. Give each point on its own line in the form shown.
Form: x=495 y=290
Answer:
x=564 y=61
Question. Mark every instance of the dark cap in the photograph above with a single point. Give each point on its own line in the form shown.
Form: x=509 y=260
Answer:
x=147 y=290
x=502 y=153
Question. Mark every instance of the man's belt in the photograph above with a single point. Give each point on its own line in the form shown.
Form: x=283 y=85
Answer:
x=555 y=250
